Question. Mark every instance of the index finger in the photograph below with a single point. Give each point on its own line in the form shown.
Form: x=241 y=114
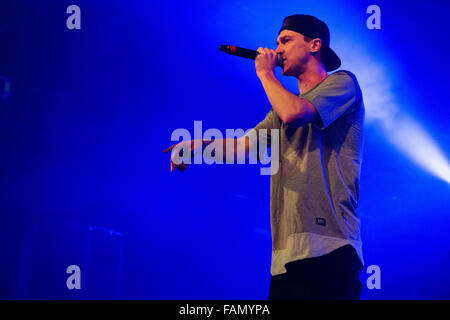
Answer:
x=169 y=148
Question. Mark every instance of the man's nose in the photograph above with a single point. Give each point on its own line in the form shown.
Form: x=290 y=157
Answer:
x=278 y=50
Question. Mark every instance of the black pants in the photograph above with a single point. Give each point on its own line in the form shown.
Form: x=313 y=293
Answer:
x=332 y=276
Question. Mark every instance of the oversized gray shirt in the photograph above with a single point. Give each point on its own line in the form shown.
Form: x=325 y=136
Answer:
x=314 y=194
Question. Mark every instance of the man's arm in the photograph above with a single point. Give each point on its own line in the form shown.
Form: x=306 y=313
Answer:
x=287 y=105
x=236 y=147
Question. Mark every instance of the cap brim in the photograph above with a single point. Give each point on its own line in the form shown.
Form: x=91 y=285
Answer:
x=330 y=59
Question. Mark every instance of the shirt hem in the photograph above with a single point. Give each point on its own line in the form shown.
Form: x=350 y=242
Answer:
x=309 y=245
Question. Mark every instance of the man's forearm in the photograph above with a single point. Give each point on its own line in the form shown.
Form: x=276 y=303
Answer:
x=287 y=105
x=232 y=149
x=237 y=149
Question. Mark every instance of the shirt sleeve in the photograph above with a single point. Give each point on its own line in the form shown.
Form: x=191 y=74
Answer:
x=335 y=96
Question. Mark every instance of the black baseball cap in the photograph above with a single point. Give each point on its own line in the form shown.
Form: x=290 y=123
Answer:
x=313 y=28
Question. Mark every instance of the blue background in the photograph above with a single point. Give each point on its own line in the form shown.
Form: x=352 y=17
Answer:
x=91 y=110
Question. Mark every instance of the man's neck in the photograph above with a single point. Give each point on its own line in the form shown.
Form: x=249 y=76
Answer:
x=313 y=74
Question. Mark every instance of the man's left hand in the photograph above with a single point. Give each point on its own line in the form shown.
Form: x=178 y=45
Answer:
x=265 y=61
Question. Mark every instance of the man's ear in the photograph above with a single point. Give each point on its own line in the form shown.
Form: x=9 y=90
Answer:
x=315 y=45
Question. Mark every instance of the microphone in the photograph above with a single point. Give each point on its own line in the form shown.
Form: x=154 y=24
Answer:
x=246 y=53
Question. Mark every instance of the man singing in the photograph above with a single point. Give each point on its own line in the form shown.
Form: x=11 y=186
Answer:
x=316 y=242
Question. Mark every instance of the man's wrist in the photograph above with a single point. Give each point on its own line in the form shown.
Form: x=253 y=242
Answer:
x=266 y=75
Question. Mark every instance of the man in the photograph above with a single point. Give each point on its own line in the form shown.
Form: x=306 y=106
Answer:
x=316 y=243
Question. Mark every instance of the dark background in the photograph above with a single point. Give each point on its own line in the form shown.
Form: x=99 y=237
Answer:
x=83 y=180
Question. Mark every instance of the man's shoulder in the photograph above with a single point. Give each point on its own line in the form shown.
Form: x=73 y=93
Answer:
x=346 y=79
x=343 y=76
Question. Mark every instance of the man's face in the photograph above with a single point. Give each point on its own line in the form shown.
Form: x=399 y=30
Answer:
x=295 y=52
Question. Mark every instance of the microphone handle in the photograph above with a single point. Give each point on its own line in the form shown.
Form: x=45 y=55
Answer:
x=245 y=53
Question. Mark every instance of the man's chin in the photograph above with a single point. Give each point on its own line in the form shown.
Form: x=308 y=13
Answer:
x=289 y=72
x=286 y=72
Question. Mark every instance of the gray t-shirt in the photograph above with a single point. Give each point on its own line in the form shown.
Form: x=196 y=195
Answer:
x=314 y=194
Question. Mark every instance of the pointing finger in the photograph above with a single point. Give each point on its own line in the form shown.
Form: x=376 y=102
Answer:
x=169 y=148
